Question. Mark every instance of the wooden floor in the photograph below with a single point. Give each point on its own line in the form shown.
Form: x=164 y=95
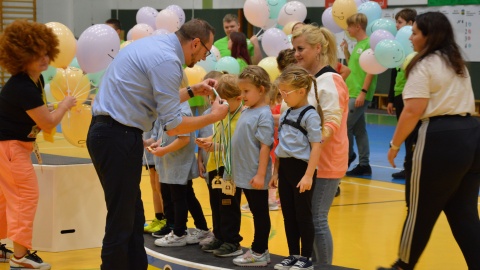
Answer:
x=366 y=221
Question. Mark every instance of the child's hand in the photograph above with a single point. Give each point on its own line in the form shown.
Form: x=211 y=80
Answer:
x=201 y=169
x=305 y=184
x=204 y=143
x=273 y=181
x=257 y=182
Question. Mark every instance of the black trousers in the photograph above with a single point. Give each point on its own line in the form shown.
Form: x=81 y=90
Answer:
x=184 y=200
x=258 y=203
x=445 y=176
x=116 y=151
x=226 y=215
x=168 y=208
x=296 y=206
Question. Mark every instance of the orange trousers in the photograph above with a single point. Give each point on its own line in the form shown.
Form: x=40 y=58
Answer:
x=18 y=192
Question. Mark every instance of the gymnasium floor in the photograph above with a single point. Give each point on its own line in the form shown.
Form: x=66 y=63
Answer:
x=366 y=219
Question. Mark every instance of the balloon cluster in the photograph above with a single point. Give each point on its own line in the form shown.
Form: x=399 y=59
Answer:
x=388 y=48
x=152 y=22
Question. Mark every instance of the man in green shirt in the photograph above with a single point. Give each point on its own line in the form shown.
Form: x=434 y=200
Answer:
x=361 y=87
x=230 y=24
x=117 y=26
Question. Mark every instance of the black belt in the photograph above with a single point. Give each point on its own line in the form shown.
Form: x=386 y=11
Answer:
x=107 y=119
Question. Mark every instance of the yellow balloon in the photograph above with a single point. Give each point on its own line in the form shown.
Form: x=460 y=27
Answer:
x=195 y=74
x=67 y=46
x=70 y=82
x=287 y=28
x=408 y=59
x=125 y=44
x=75 y=124
x=271 y=67
x=341 y=10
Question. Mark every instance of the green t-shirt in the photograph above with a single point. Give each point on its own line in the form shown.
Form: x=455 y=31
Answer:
x=222 y=46
x=400 y=81
x=197 y=101
x=242 y=63
x=357 y=76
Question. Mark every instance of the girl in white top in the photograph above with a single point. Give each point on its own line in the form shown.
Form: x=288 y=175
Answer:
x=251 y=163
x=298 y=151
x=442 y=174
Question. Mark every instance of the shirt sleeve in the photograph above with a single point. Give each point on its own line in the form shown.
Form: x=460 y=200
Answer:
x=313 y=126
x=418 y=83
x=165 y=79
x=264 y=132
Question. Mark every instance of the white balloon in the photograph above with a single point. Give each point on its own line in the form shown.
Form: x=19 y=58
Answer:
x=292 y=11
x=179 y=11
x=216 y=52
x=141 y=30
x=167 y=19
x=256 y=12
x=160 y=32
x=147 y=15
x=274 y=40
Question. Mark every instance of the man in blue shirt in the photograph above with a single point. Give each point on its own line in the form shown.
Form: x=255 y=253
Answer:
x=140 y=85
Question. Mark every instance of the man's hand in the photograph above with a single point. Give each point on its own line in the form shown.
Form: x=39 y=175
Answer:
x=204 y=88
x=219 y=110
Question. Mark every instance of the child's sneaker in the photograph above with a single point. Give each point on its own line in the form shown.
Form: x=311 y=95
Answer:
x=171 y=240
x=250 y=259
x=5 y=253
x=197 y=235
x=154 y=226
x=286 y=263
x=273 y=206
x=245 y=208
x=302 y=263
x=166 y=229
x=228 y=250
x=29 y=261
x=212 y=246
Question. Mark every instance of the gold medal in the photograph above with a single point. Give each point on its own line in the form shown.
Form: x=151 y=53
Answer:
x=217 y=182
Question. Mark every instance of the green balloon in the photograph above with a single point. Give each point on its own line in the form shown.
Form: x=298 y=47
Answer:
x=96 y=78
x=49 y=74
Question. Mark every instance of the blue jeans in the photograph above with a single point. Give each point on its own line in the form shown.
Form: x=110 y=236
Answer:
x=358 y=127
x=323 y=194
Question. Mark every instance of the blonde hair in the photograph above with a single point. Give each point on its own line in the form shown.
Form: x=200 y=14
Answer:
x=358 y=18
x=272 y=96
x=257 y=76
x=298 y=77
x=320 y=35
x=228 y=86
x=213 y=75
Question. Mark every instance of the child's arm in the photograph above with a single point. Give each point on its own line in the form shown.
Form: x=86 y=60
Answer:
x=201 y=167
x=258 y=180
x=306 y=182
x=274 y=181
x=177 y=144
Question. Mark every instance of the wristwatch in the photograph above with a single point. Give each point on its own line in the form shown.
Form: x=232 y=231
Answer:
x=364 y=91
x=393 y=146
x=190 y=91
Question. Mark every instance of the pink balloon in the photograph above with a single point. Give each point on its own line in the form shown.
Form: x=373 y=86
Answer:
x=369 y=63
x=256 y=12
x=147 y=15
x=329 y=23
x=96 y=48
x=160 y=32
x=179 y=11
x=292 y=11
x=379 y=35
x=141 y=30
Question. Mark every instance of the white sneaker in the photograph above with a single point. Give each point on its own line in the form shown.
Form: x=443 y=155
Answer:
x=171 y=240
x=29 y=261
x=198 y=235
x=208 y=239
x=5 y=253
x=250 y=259
x=245 y=207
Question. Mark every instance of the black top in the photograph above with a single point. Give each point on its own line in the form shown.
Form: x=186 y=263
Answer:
x=325 y=69
x=19 y=95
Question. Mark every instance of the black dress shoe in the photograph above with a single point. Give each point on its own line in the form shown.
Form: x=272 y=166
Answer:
x=399 y=175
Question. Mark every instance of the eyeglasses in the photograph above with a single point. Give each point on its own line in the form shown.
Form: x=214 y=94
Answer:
x=208 y=51
x=285 y=94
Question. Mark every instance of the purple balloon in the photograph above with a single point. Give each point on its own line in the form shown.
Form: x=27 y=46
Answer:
x=379 y=35
x=329 y=23
x=147 y=15
x=96 y=47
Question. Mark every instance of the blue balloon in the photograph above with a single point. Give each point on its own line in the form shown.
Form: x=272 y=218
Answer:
x=74 y=63
x=403 y=36
x=382 y=23
x=49 y=74
x=371 y=9
x=275 y=6
x=96 y=78
x=229 y=64
x=209 y=63
x=389 y=53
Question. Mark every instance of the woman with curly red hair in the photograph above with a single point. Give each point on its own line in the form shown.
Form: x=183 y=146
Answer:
x=26 y=49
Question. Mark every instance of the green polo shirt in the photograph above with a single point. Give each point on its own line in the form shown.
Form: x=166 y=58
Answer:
x=357 y=76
